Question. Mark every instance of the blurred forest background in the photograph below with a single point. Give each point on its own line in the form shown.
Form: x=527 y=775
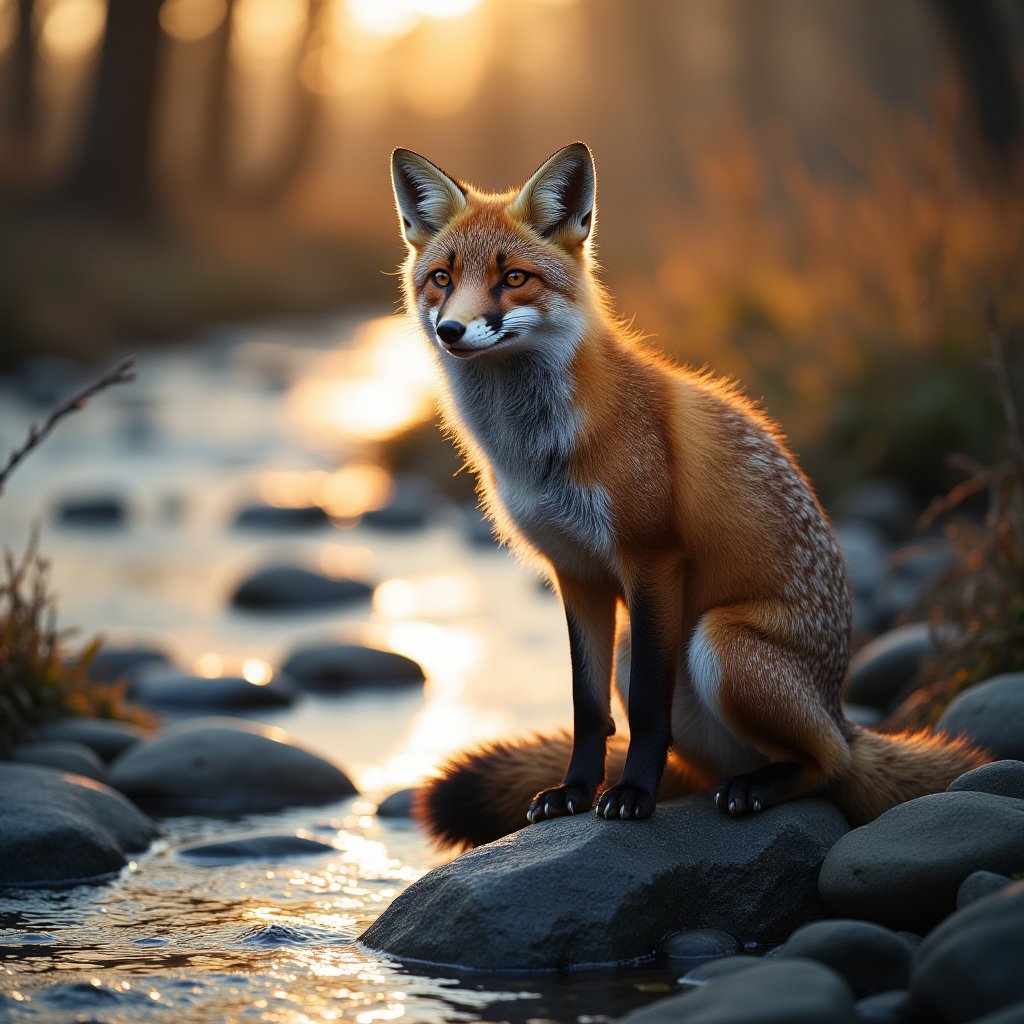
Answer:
x=823 y=197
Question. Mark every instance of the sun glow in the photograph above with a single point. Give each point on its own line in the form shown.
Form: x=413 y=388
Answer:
x=191 y=20
x=72 y=29
x=396 y=17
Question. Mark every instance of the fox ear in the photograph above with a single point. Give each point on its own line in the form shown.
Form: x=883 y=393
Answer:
x=558 y=201
x=425 y=196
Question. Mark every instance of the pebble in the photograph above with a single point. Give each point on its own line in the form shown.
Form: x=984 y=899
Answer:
x=64 y=755
x=281 y=517
x=256 y=847
x=181 y=691
x=333 y=667
x=992 y=714
x=1003 y=778
x=882 y=668
x=286 y=588
x=697 y=945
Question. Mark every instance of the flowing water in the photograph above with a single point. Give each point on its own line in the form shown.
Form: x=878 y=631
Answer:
x=288 y=415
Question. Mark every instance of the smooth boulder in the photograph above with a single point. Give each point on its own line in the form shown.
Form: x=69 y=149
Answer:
x=60 y=829
x=181 y=691
x=64 y=755
x=582 y=890
x=108 y=738
x=992 y=715
x=971 y=964
x=1003 y=778
x=882 y=668
x=255 y=847
x=773 y=992
x=283 y=588
x=333 y=667
x=226 y=764
x=904 y=868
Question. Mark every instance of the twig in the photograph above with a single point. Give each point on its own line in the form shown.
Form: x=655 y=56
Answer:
x=120 y=374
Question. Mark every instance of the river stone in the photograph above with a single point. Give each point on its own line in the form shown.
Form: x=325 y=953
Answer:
x=76 y=758
x=285 y=588
x=904 y=868
x=398 y=804
x=334 y=667
x=412 y=502
x=1012 y=1014
x=772 y=992
x=870 y=958
x=697 y=945
x=1003 y=778
x=60 y=829
x=181 y=691
x=882 y=668
x=257 y=847
x=582 y=890
x=103 y=735
x=112 y=664
x=218 y=764
x=281 y=517
x=991 y=714
x=971 y=964
x=887 y=1008
x=100 y=510
x=978 y=885
x=864 y=551
x=707 y=971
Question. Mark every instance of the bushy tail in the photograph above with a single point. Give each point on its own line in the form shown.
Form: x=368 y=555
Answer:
x=888 y=770
x=483 y=794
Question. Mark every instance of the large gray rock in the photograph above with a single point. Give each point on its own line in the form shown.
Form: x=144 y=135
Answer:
x=971 y=964
x=904 y=868
x=65 y=755
x=582 y=890
x=226 y=764
x=773 y=992
x=108 y=738
x=58 y=829
x=992 y=714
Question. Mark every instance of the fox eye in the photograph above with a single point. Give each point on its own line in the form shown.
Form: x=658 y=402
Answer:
x=516 y=278
x=441 y=278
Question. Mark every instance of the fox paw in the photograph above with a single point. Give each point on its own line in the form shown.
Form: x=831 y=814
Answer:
x=624 y=801
x=756 y=791
x=559 y=801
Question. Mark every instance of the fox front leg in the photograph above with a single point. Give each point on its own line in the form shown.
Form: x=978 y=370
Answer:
x=590 y=616
x=655 y=616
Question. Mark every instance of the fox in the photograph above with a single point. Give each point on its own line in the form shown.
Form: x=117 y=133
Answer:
x=697 y=570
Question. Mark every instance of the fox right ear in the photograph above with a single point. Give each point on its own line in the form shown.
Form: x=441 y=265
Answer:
x=425 y=196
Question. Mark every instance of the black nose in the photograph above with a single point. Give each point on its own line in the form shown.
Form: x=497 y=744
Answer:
x=449 y=331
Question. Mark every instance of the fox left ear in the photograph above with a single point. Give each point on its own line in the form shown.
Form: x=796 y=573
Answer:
x=425 y=196
x=558 y=200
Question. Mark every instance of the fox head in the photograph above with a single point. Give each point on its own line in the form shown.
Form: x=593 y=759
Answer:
x=498 y=273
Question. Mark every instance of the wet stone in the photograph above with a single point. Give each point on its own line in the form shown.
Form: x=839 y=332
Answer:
x=882 y=668
x=64 y=755
x=286 y=588
x=398 y=805
x=334 y=667
x=980 y=884
x=112 y=664
x=256 y=847
x=179 y=691
x=990 y=714
x=106 y=511
x=698 y=945
x=281 y=518
x=106 y=737
x=894 y=1007
x=1003 y=778
x=412 y=504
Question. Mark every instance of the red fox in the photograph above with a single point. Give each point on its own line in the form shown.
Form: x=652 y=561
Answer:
x=685 y=543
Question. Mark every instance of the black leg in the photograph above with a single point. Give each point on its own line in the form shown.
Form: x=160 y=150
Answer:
x=654 y=630
x=591 y=636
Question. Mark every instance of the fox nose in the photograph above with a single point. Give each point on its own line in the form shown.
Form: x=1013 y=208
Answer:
x=450 y=331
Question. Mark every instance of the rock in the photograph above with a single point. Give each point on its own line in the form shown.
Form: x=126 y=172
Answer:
x=398 y=805
x=992 y=714
x=219 y=764
x=886 y=505
x=286 y=588
x=607 y=891
x=101 y=510
x=412 y=503
x=338 y=667
x=59 y=829
x=864 y=550
x=258 y=847
x=180 y=691
x=1012 y=1014
x=76 y=758
x=883 y=667
x=112 y=664
x=904 y=868
x=886 y=1008
x=978 y=885
x=711 y=969
x=281 y=517
x=773 y=992
x=699 y=944
x=103 y=735
x=870 y=958
x=971 y=964
x=912 y=570
x=863 y=715
x=1003 y=778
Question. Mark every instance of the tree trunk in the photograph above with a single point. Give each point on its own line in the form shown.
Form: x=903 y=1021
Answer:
x=112 y=174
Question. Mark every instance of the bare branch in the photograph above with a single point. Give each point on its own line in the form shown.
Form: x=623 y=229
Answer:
x=120 y=374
